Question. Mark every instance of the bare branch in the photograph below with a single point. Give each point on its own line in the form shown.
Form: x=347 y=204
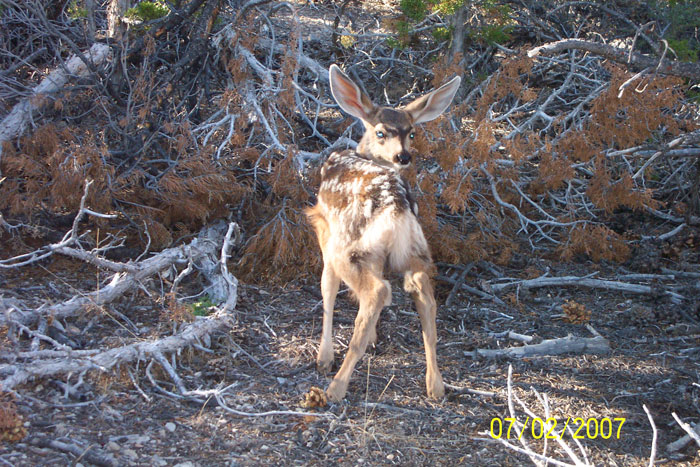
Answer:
x=562 y=345
x=589 y=283
x=616 y=54
x=652 y=455
x=693 y=434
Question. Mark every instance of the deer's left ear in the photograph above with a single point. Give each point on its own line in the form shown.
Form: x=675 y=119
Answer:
x=433 y=104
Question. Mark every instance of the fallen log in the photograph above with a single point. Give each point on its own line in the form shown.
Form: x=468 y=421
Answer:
x=616 y=54
x=17 y=121
x=562 y=345
x=588 y=282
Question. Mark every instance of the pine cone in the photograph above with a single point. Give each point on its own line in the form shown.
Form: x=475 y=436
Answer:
x=316 y=397
x=576 y=313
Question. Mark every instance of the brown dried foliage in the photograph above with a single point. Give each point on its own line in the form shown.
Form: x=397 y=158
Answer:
x=610 y=193
x=170 y=188
x=48 y=171
x=175 y=310
x=282 y=249
x=511 y=81
x=622 y=122
x=614 y=123
x=595 y=241
x=12 y=428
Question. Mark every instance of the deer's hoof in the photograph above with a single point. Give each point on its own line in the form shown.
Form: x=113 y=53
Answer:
x=435 y=386
x=324 y=367
x=335 y=392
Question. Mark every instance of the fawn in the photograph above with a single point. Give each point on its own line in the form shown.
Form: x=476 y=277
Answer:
x=366 y=219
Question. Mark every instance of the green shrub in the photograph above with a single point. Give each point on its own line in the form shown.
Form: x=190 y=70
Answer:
x=202 y=307
x=494 y=34
x=682 y=18
x=447 y=7
x=414 y=9
x=148 y=11
x=75 y=11
x=495 y=25
x=442 y=34
x=403 y=35
x=684 y=50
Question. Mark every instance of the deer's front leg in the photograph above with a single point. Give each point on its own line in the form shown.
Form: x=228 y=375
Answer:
x=329 y=289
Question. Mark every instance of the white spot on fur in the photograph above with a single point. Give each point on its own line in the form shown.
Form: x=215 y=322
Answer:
x=368 y=208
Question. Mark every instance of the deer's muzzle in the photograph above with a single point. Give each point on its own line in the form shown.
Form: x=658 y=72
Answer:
x=403 y=158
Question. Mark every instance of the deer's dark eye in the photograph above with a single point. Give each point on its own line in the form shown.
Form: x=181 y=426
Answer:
x=380 y=134
x=412 y=135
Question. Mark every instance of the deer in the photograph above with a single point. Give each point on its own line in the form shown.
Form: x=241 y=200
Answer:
x=366 y=221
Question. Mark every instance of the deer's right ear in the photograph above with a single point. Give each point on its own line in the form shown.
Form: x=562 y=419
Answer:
x=348 y=95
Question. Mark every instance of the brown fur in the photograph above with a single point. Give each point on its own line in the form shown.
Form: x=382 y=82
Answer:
x=365 y=219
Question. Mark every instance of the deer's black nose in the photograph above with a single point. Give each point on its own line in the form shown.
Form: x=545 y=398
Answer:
x=403 y=158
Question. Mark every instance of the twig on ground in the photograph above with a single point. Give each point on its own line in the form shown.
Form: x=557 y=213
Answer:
x=537 y=458
x=476 y=392
x=92 y=454
x=471 y=290
x=693 y=435
x=512 y=335
x=652 y=455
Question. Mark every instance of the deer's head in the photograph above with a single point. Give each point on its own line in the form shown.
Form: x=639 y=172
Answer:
x=389 y=132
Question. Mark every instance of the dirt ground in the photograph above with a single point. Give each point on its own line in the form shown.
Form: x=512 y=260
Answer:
x=386 y=418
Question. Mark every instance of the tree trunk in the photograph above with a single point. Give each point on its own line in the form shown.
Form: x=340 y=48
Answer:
x=116 y=28
x=90 y=7
x=458 y=21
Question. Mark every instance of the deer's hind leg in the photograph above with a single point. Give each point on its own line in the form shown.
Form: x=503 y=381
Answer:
x=417 y=283
x=330 y=282
x=373 y=293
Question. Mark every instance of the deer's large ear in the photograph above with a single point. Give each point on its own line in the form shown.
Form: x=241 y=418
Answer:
x=430 y=106
x=348 y=95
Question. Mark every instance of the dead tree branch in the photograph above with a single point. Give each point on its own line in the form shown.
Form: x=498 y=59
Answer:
x=105 y=361
x=200 y=250
x=693 y=435
x=16 y=122
x=90 y=453
x=622 y=56
x=562 y=345
x=574 y=281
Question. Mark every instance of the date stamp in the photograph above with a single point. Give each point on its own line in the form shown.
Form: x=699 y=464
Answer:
x=538 y=428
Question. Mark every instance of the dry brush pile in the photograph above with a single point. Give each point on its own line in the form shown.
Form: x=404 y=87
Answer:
x=154 y=121
x=222 y=109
